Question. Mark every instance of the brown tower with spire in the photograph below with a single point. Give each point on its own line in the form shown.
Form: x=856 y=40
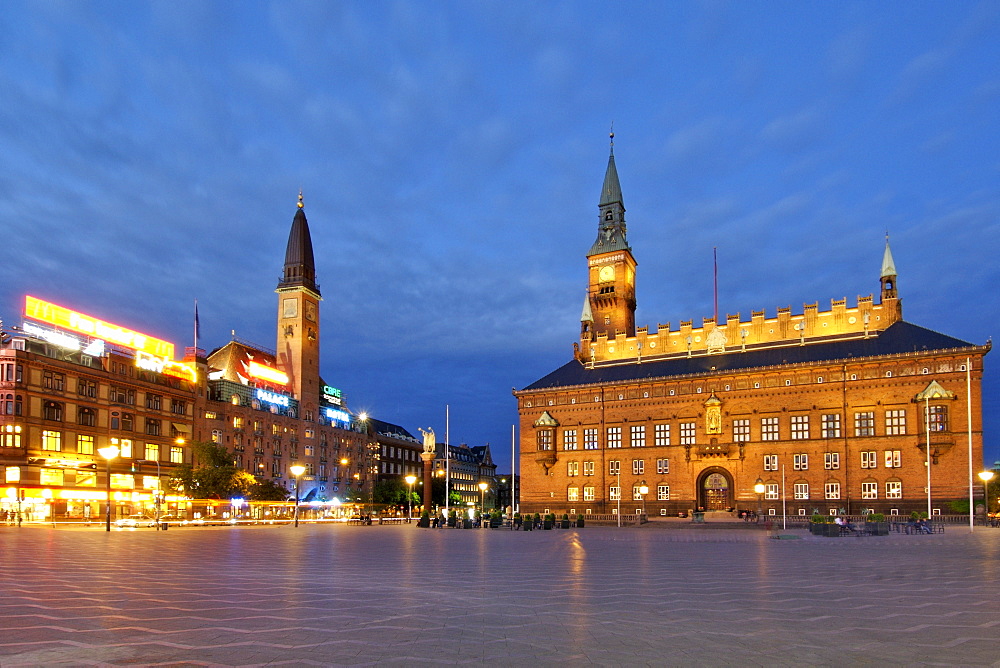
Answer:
x=609 y=309
x=298 y=317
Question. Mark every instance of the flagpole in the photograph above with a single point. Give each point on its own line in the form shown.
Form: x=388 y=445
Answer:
x=968 y=407
x=447 y=461
x=513 y=476
x=715 y=282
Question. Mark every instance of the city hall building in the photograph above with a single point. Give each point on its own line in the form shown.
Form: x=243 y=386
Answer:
x=831 y=410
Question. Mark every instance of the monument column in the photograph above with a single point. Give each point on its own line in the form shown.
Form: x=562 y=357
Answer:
x=428 y=455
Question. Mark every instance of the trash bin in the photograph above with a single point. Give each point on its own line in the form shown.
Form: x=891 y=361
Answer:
x=163 y=526
x=698 y=517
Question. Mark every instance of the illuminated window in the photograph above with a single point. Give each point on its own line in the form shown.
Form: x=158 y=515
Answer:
x=661 y=435
x=687 y=433
x=895 y=422
x=937 y=418
x=830 y=425
x=770 y=462
x=10 y=437
x=636 y=494
x=216 y=436
x=638 y=436
x=590 y=439
x=544 y=439
x=771 y=491
x=569 y=439
x=211 y=415
x=614 y=437
x=800 y=462
x=831 y=460
x=86 y=478
x=638 y=465
x=893 y=459
x=572 y=468
x=85 y=444
x=864 y=424
x=152 y=452
x=663 y=492
x=869 y=490
x=614 y=467
x=741 y=431
x=52 y=440
x=663 y=466
x=615 y=493
x=50 y=476
x=124 y=447
x=769 y=429
x=868 y=459
x=588 y=468
x=801 y=490
x=831 y=491
x=122 y=481
x=12 y=474
x=800 y=427
x=588 y=493
x=894 y=490
x=572 y=493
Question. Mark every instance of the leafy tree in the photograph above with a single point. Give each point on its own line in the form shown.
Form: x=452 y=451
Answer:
x=212 y=475
x=267 y=490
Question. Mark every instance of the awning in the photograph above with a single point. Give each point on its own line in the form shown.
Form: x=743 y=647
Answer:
x=182 y=428
x=309 y=497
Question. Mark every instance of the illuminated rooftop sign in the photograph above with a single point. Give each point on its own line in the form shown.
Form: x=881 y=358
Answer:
x=332 y=395
x=267 y=373
x=272 y=397
x=64 y=318
x=166 y=366
x=338 y=416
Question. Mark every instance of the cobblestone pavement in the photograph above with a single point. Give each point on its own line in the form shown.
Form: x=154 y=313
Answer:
x=398 y=595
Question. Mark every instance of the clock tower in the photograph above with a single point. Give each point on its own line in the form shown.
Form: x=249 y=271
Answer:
x=298 y=318
x=611 y=268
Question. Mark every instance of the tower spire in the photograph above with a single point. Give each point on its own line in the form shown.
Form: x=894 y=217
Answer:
x=300 y=267
x=611 y=227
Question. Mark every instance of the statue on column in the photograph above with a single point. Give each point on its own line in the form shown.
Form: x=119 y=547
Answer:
x=430 y=442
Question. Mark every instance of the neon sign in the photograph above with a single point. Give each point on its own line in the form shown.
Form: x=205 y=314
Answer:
x=272 y=397
x=50 y=313
x=165 y=366
x=332 y=395
x=337 y=415
x=267 y=373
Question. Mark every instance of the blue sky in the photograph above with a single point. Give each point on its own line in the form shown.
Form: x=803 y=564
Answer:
x=451 y=156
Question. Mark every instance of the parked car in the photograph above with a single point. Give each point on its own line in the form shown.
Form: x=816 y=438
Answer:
x=136 y=520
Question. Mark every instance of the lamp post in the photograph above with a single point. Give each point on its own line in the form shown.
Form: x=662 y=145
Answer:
x=618 y=511
x=482 y=498
x=156 y=494
x=410 y=479
x=297 y=470
x=986 y=476
x=109 y=452
x=759 y=488
x=643 y=491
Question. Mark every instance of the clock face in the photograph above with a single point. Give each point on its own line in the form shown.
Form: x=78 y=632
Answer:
x=310 y=311
x=290 y=308
x=607 y=273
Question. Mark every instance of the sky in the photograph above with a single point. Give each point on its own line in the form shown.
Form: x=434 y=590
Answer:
x=451 y=156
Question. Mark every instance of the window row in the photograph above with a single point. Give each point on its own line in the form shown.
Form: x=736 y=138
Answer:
x=53 y=441
x=615 y=467
x=831 y=460
x=800 y=427
x=831 y=490
x=589 y=493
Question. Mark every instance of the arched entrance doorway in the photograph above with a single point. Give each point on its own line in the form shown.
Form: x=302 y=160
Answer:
x=715 y=489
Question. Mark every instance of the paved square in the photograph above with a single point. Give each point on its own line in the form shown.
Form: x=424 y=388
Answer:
x=349 y=595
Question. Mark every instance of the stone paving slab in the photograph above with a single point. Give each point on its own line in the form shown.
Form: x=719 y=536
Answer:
x=398 y=595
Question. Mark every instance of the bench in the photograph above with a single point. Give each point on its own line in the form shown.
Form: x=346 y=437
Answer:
x=357 y=520
x=391 y=520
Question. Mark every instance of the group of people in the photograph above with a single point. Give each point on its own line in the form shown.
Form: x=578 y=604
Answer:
x=845 y=524
x=918 y=526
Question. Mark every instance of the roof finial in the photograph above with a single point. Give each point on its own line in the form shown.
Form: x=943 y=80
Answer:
x=612 y=137
x=300 y=198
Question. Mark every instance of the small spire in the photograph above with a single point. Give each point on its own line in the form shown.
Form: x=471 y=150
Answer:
x=888 y=266
x=612 y=137
x=300 y=198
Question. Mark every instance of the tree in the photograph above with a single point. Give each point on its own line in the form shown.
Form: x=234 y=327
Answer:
x=267 y=490
x=212 y=475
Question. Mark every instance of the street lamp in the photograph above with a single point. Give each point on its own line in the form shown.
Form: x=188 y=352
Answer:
x=109 y=452
x=297 y=470
x=410 y=479
x=643 y=491
x=986 y=476
x=759 y=488
x=618 y=511
x=482 y=498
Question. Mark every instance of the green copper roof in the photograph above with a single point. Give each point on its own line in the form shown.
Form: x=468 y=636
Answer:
x=888 y=267
x=612 y=190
